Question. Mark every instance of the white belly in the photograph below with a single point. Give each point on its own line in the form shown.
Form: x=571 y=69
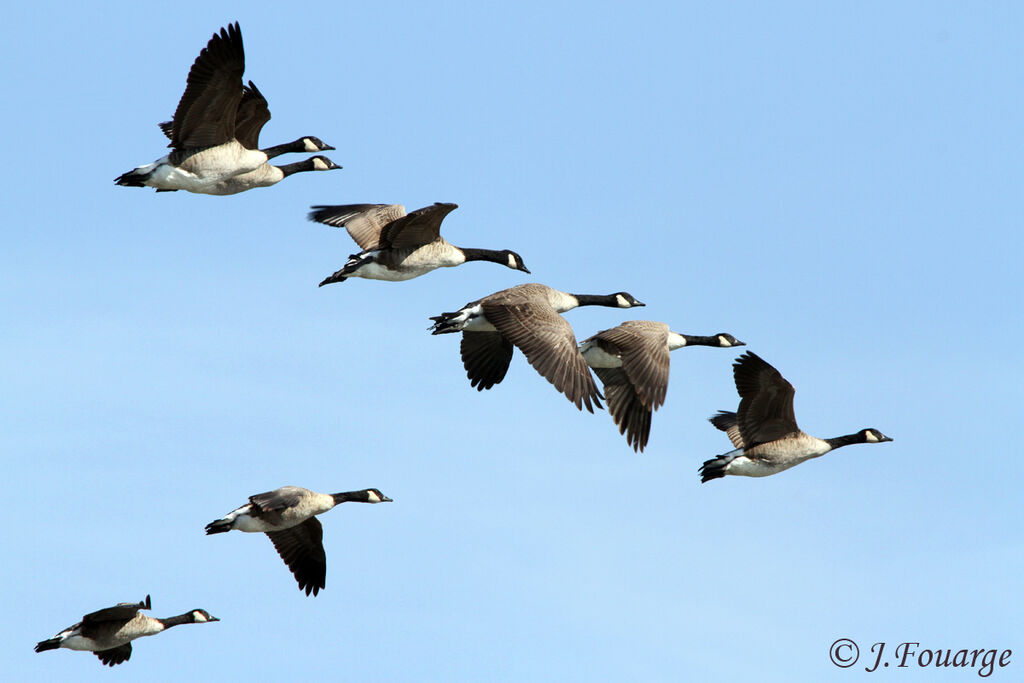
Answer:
x=597 y=357
x=77 y=642
x=476 y=322
x=745 y=467
x=375 y=271
x=253 y=525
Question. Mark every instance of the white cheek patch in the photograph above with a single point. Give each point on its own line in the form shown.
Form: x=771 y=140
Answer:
x=374 y=498
x=319 y=165
x=621 y=301
x=871 y=438
x=723 y=341
x=200 y=619
x=512 y=261
x=310 y=145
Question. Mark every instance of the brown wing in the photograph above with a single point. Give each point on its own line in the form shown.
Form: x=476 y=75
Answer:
x=547 y=340
x=302 y=549
x=115 y=655
x=630 y=414
x=253 y=114
x=278 y=499
x=486 y=356
x=766 y=401
x=364 y=222
x=727 y=422
x=420 y=227
x=643 y=348
x=123 y=611
x=206 y=113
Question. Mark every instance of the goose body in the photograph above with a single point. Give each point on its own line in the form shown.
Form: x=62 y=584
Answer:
x=252 y=114
x=528 y=317
x=632 y=361
x=400 y=246
x=266 y=175
x=288 y=516
x=215 y=130
x=109 y=632
x=764 y=431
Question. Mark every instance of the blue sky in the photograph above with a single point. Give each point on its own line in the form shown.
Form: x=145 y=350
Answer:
x=837 y=186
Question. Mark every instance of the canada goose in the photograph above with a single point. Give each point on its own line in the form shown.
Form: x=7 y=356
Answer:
x=632 y=361
x=204 y=131
x=108 y=632
x=527 y=316
x=288 y=516
x=251 y=116
x=764 y=429
x=267 y=175
x=399 y=246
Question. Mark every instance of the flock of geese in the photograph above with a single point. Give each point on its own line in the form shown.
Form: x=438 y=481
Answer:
x=214 y=141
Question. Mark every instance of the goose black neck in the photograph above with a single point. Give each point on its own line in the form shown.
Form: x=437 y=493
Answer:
x=597 y=300
x=185 y=618
x=484 y=255
x=286 y=148
x=840 y=441
x=351 y=497
x=297 y=167
x=698 y=340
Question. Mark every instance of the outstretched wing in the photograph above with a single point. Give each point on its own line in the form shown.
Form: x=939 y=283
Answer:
x=630 y=414
x=420 y=227
x=301 y=547
x=364 y=222
x=206 y=113
x=486 y=356
x=253 y=114
x=727 y=422
x=766 y=401
x=121 y=611
x=548 y=342
x=278 y=499
x=115 y=655
x=643 y=347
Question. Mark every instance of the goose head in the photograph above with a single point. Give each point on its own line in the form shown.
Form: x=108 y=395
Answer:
x=201 y=616
x=514 y=260
x=312 y=143
x=872 y=435
x=375 y=496
x=726 y=340
x=626 y=300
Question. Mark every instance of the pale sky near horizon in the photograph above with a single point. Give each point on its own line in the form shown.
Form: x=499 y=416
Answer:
x=836 y=184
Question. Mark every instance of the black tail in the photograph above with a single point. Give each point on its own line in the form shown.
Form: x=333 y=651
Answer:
x=336 y=277
x=219 y=526
x=132 y=179
x=443 y=323
x=51 y=644
x=714 y=468
x=354 y=263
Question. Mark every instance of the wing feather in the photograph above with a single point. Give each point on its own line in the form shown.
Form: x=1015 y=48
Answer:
x=301 y=547
x=766 y=401
x=206 y=113
x=548 y=342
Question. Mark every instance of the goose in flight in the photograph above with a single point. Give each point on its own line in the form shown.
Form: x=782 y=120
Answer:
x=764 y=429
